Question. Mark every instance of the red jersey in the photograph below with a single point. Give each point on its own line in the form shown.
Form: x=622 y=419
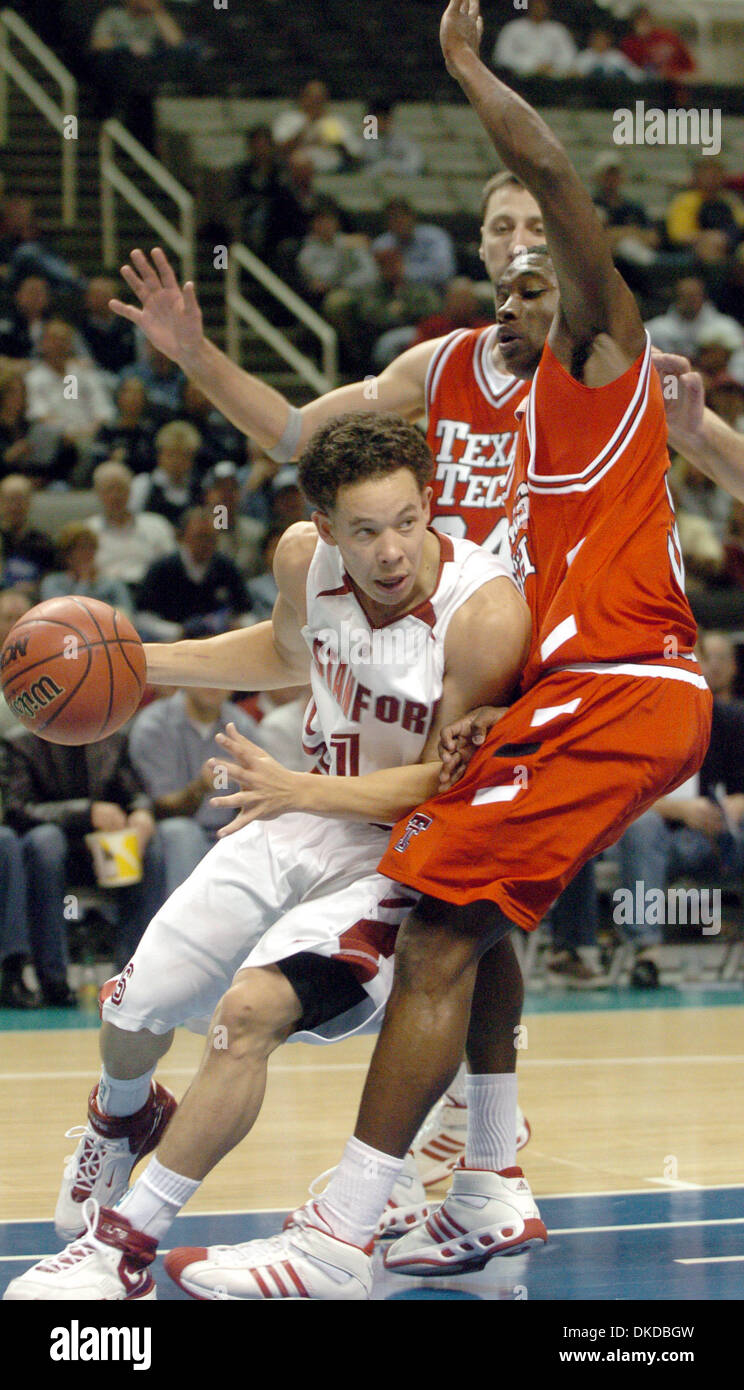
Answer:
x=472 y=433
x=592 y=530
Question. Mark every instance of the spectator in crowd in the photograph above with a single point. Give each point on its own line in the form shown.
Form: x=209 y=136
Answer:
x=256 y=478
x=574 y=922
x=14 y=428
x=134 y=48
x=312 y=127
x=462 y=307
x=23 y=254
x=718 y=652
x=702 y=513
x=14 y=941
x=263 y=589
x=27 y=554
x=394 y=302
x=280 y=715
x=535 y=45
x=128 y=541
x=428 y=252
x=696 y=830
x=726 y=398
x=172 y=487
x=690 y=317
x=77 y=544
x=163 y=381
x=288 y=503
x=195 y=591
x=330 y=259
x=110 y=339
x=14 y=604
x=239 y=537
x=53 y=796
x=734 y=552
x=384 y=150
x=170 y=743
x=219 y=439
x=64 y=394
x=131 y=435
x=634 y=240
x=707 y=217
x=659 y=52
x=720 y=356
x=290 y=208
x=602 y=60
x=22 y=330
x=257 y=187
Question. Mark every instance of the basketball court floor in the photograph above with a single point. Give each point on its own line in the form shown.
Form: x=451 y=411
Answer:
x=636 y=1102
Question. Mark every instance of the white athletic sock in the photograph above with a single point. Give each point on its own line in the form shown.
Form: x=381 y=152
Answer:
x=123 y=1097
x=357 y=1194
x=492 y=1122
x=154 y=1202
x=456 y=1093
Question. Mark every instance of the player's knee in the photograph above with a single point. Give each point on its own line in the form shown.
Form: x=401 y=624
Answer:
x=257 y=1013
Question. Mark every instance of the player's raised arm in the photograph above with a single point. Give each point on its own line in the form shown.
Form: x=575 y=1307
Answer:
x=594 y=297
x=171 y=320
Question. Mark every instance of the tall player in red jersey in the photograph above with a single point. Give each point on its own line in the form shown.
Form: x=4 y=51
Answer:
x=614 y=711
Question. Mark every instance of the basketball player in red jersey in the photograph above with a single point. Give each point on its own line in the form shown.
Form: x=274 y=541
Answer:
x=614 y=712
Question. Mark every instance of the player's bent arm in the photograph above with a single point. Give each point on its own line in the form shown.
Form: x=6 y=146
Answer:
x=382 y=797
x=269 y=656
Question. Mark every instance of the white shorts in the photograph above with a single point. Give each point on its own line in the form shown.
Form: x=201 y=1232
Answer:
x=271 y=890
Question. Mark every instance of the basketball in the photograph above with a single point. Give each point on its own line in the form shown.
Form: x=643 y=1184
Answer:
x=73 y=670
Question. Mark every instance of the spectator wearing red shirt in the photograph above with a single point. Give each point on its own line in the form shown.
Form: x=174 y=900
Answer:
x=658 y=51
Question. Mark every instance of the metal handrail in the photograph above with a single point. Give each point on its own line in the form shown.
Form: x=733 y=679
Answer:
x=113 y=180
x=59 y=116
x=237 y=307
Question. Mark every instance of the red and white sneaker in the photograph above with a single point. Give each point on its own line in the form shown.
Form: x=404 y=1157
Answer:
x=108 y=1263
x=440 y=1142
x=407 y=1204
x=483 y=1215
x=301 y=1262
x=108 y=1149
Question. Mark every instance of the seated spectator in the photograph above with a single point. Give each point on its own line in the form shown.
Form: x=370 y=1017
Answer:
x=659 y=52
x=136 y=47
x=23 y=254
x=128 y=541
x=170 y=743
x=726 y=398
x=53 y=796
x=163 y=381
x=696 y=830
x=734 y=548
x=720 y=356
x=110 y=338
x=130 y=437
x=27 y=554
x=263 y=589
x=195 y=591
x=312 y=127
x=385 y=150
x=395 y=304
x=428 y=252
x=461 y=307
x=329 y=259
x=22 y=330
x=288 y=503
x=574 y=922
x=219 y=439
x=290 y=206
x=77 y=544
x=601 y=59
x=257 y=186
x=14 y=940
x=64 y=394
x=256 y=478
x=718 y=651
x=239 y=537
x=172 y=487
x=14 y=428
x=707 y=214
x=701 y=517
x=14 y=604
x=690 y=317
x=535 y=45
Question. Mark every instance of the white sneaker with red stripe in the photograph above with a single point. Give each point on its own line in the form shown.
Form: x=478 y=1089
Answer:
x=302 y=1262
x=108 y=1263
x=484 y=1214
x=103 y=1161
x=441 y=1140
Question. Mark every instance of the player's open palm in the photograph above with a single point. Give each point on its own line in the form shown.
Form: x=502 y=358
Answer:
x=461 y=29
x=267 y=788
x=170 y=317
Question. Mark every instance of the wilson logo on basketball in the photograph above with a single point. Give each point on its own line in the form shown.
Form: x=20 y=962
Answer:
x=12 y=651
x=37 y=697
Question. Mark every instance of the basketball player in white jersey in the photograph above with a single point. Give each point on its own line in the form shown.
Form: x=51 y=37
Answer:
x=285 y=928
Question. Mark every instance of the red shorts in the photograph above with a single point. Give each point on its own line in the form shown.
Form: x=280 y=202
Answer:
x=560 y=777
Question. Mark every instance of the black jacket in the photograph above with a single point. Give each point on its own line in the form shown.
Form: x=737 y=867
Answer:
x=45 y=783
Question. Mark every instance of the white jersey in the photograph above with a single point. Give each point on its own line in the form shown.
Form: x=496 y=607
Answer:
x=375 y=688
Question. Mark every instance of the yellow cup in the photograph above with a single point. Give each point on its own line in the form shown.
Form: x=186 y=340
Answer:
x=116 y=857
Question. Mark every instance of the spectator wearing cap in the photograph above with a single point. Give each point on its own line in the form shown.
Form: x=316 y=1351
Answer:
x=535 y=45
x=172 y=487
x=385 y=150
x=239 y=537
x=690 y=317
x=77 y=544
x=195 y=591
x=128 y=541
x=427 y=251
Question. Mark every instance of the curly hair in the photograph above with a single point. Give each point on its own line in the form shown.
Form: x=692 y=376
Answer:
x=358 y=446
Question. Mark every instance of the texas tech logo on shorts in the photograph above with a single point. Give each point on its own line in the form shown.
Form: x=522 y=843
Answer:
x=415 y=826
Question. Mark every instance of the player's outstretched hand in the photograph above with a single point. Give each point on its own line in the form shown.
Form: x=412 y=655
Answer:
x=267 y=790
x=683 y=390
x=459 y=741
x=461 y=31
x=170 y=317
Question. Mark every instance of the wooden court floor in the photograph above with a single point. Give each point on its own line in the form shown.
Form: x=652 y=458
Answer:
x=627 y=1100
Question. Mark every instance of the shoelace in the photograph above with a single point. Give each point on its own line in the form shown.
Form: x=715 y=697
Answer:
x=85 y=1166
x=80 y=1248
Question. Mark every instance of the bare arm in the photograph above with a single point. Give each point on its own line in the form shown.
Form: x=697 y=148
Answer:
x=171 y=319
x=594 y=297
